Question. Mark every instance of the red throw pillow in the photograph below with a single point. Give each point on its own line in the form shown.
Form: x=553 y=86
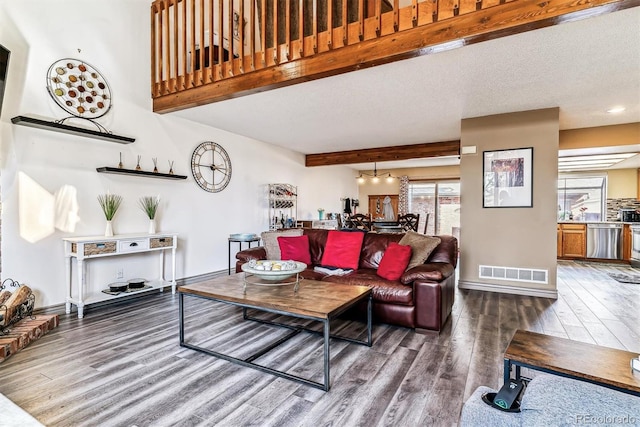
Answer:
x=394 y=261
x=295 y=248
x=342 y=249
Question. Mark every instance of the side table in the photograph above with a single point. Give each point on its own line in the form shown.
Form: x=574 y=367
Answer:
x=240 y=238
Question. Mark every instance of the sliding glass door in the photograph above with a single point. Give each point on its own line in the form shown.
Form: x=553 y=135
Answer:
x=439 y=201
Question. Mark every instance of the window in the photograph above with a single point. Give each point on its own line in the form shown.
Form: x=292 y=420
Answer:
x=441 y=200
x=582 y=197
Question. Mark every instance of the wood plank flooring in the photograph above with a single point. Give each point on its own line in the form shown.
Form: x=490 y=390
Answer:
x=122 y=366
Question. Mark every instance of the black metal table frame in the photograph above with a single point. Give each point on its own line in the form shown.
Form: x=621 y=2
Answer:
x=248 y=361
x=508 y=363
x=239 y=242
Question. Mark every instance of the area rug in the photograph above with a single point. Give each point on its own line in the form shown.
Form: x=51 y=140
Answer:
x=626 y=278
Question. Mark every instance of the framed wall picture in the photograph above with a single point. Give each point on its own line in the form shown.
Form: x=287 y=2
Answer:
x=508 y=178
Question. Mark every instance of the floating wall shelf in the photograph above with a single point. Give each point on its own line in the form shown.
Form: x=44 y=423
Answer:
x=68 y=129
x=119 y=171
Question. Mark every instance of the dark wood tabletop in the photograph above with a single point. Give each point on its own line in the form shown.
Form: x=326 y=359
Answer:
x=321 y=300
x=580 y=360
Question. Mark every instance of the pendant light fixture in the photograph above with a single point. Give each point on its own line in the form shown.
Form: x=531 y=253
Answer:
x=375 y=178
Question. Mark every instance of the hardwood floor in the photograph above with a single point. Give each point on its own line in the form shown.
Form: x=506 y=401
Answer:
x=122 y=366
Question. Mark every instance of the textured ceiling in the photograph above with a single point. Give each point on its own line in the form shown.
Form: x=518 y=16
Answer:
x=583 y=67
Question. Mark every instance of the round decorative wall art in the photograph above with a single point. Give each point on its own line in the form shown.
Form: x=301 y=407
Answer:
x=78 y=88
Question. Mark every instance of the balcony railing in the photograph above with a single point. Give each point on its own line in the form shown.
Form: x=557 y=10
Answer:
x=218 y=43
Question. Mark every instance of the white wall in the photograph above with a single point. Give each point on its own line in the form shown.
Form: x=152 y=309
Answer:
x=113 y=36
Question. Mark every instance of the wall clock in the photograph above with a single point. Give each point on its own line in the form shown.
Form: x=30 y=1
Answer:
x=211 y=167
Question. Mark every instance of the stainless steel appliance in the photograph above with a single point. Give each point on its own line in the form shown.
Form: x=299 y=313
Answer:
x=604 y=241
x=629 y=215
x=635 y=245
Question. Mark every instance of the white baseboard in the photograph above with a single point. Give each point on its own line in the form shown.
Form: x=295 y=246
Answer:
x=506 y=289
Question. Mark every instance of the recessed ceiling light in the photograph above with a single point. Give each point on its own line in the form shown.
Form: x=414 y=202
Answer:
x=615 y=110
x=599 y=161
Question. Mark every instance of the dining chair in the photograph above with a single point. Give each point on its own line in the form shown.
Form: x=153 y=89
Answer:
x=360 y=221
x=409 y=222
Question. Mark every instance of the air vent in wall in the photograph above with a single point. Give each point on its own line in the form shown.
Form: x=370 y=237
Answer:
x=531 y=275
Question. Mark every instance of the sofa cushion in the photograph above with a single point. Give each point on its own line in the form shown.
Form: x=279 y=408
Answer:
x=270 y=241
x=342 y=249
x=389 y=291
x=294 y=248
x=394 y=261
x=421 y=246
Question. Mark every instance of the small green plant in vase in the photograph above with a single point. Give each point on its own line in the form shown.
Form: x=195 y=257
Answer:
x=110 y=203
x=149 y=205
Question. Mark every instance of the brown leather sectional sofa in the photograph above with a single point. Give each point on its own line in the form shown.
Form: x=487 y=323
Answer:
x=421 y=299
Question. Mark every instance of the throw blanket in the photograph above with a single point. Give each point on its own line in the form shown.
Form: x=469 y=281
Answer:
x=332 y=271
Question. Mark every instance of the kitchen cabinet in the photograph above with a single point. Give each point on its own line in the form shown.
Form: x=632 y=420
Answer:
x=559 y=227
x=574 y=240
x=626 y=242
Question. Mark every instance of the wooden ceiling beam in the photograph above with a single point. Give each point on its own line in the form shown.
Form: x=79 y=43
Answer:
x=385 y=154
x=506 y=19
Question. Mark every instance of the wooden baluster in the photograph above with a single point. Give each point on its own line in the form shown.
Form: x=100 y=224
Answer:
x=241 y=35
x=345 y=23
x=211 y=43
x=396 y=15
x=276 y=47
x=414 y=12
x=230 y=38
x=192 y=9
x=315 y=26
x=183 y=35
x=361 y=19
x=263 y=34
x=176 y=46
x=447 y=9
x=202 y=47
x=287 y=25
x=378 y=17
x=301 y=27
x=252 y=34
x=167 y=49
x=154 y=47
x=221 y=63
x=329 y=24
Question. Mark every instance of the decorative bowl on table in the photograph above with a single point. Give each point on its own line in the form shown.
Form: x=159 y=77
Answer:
x=273 y=270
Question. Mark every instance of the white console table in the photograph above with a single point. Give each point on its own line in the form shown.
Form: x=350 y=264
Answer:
x=86 y=248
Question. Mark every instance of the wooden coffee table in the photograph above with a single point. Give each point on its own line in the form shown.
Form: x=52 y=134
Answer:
x=604 y=366
x=314 y=300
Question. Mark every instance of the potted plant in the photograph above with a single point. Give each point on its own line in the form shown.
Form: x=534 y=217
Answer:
x=109 y=204
x=149 y=205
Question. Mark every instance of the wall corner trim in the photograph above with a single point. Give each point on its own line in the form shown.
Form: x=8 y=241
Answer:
x=517 y=290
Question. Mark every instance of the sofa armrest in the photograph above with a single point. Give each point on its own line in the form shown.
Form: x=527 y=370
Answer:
x=433 y=271
x=247 y=255
x=256 y=253
x=434 y=302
